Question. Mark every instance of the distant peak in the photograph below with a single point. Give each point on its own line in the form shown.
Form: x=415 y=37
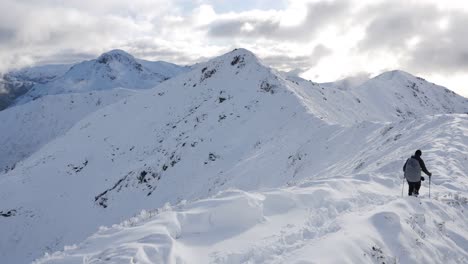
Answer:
x=395 y=74
x=237 y=57
x=116 y=54
x=242 y=51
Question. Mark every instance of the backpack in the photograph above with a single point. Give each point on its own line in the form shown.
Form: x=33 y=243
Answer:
x=413 y=170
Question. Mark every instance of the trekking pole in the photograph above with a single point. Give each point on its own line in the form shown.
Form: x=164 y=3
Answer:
x=403 y=188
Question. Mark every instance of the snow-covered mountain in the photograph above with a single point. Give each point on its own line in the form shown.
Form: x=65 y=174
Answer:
x=391 y=96
x=258 y=168
x=113 y=69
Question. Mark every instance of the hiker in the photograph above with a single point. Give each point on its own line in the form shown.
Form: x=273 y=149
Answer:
x=412 y=169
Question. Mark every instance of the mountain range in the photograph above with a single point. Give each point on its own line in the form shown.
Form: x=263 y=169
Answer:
x=231 y=162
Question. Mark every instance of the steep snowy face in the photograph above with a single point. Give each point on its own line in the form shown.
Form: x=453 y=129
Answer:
x=113 y=69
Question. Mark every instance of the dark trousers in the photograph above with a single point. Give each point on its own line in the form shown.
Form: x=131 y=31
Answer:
x=414 y=188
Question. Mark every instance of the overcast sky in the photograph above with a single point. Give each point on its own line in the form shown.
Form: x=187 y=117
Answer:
x=320 y=40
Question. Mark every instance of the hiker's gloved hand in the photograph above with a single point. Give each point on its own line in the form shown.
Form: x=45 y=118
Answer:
x=422 y=178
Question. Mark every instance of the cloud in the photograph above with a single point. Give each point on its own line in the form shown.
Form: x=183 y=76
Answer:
x=6 y=35
x=425 y=37
x=392 y=24
x=299 y=64
x=446 y=50
x=252 y=25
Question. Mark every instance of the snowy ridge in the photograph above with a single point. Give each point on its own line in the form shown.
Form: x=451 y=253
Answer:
x=229 y=123
x=357 y=213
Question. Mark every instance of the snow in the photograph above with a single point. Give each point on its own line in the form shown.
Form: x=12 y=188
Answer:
x=230 y=162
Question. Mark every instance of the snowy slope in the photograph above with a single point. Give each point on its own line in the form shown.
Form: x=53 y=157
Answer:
x=113 y=69
x=28 y=127
x=228 y=123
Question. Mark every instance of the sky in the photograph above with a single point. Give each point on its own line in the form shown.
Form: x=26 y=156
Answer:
x=320 y=40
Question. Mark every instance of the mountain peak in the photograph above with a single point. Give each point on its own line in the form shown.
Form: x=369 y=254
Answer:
x=241 y=51
x=395 y=74
x=115 y=55
x=238 y=56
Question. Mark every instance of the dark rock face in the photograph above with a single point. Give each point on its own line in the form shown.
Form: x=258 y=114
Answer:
x=8 y=213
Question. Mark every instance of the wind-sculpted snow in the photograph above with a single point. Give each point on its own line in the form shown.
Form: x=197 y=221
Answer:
x=353 y=220
x=282 y=159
